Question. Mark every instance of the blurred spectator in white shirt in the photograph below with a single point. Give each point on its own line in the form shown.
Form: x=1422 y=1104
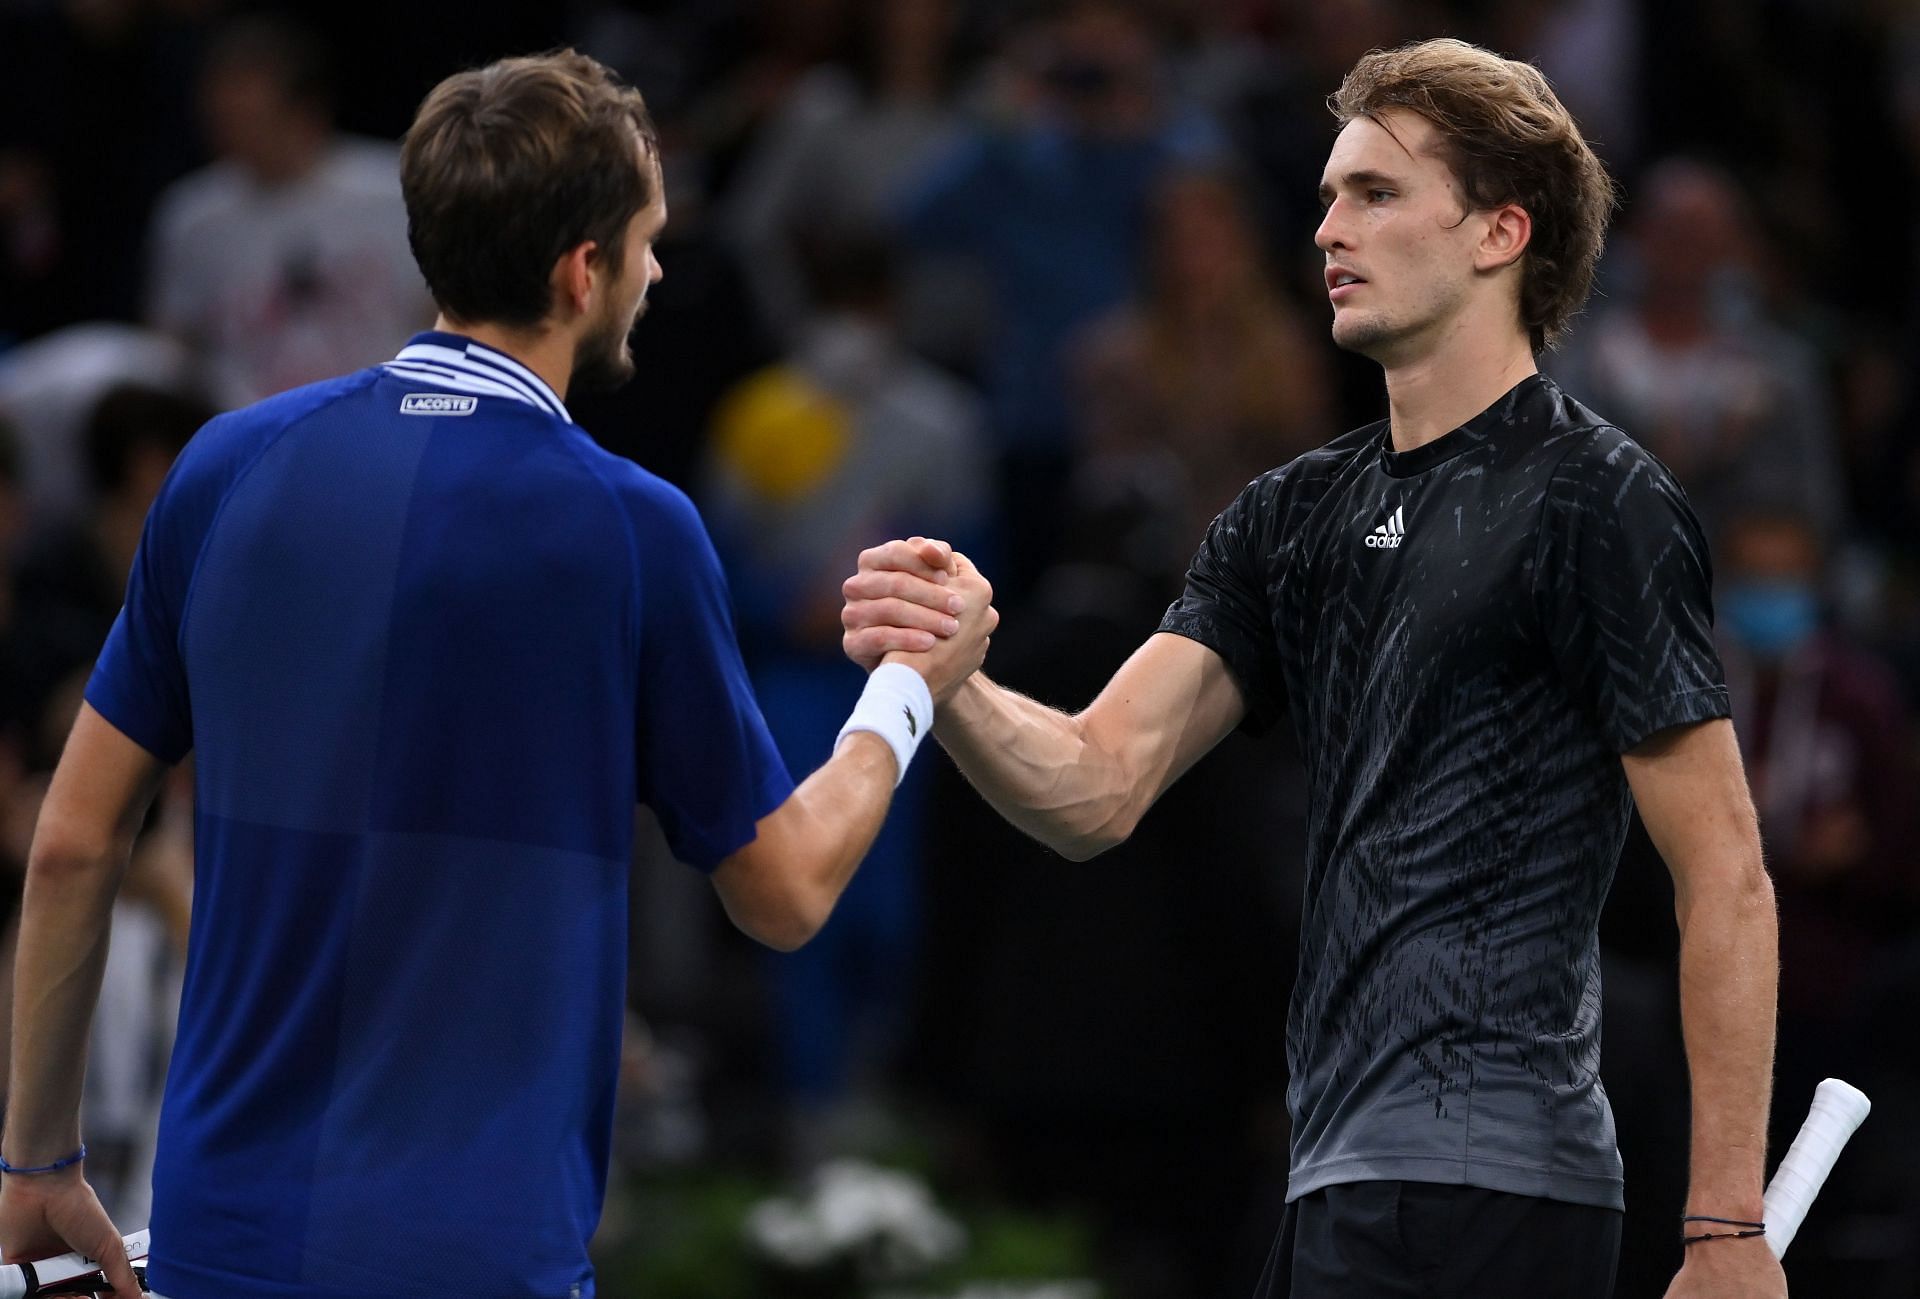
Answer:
x=285 y=261
x=1687 y=359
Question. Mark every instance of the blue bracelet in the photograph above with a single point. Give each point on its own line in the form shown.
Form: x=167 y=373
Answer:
x=54 y=1167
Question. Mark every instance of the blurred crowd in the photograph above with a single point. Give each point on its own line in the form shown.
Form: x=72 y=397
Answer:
x=1036 y=276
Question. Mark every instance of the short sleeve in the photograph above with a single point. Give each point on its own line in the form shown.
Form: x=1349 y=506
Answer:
x=707 y=764
x=139 y=682
x=1226 y=607
x=1624 y=586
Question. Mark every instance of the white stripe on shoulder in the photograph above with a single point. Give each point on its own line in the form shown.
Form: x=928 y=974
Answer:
x=481 y=354
x=456 y=380
x=455 y=359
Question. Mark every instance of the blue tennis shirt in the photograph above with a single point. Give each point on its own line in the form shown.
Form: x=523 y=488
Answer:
x=428 y=644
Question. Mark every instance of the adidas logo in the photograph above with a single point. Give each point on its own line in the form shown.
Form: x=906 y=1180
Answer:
x=1390 y=534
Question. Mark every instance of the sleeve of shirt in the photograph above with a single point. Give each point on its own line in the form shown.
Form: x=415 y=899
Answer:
x=1225 y=605
x=139 y=682
x=1624 y=586
x=707 y=764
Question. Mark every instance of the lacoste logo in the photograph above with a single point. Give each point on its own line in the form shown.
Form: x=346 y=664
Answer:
x=913 y=727
x=437 y=403
x=1390 y=534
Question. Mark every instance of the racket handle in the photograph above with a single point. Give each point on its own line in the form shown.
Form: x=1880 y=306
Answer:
x=18 y=1282
x=1838 y=1109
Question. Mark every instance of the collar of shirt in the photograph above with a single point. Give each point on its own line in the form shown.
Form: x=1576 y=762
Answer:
x=457 y=362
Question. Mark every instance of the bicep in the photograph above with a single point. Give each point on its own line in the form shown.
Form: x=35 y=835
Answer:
x=1691 y=789
x=1163 y=711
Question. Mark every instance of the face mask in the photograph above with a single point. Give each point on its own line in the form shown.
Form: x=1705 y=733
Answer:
x=1771 y=618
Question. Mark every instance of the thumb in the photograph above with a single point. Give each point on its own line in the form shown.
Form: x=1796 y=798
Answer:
x=936 y=553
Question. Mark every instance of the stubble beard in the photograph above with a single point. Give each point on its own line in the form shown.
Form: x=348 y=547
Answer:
x=1368 y=335
x=603 y=361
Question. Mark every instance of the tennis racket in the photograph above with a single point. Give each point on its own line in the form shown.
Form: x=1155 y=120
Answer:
x=1837 y=1110
x=68 y=1274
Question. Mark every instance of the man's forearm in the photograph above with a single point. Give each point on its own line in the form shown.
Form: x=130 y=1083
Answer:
x=1037 y=767
x=1729 y=976
x=65 y=917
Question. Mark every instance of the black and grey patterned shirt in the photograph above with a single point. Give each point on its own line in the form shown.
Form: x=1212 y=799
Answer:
x=1467 y=636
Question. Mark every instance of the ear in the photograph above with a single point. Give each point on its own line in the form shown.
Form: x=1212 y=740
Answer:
x=573 y=279
x=1509 y=231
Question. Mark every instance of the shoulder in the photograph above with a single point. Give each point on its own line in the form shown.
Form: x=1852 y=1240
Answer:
x=239 y=432
x=1583 y=449
x=1270 y=512
x=659 y=513
x=217 y=456
x=1308 y=476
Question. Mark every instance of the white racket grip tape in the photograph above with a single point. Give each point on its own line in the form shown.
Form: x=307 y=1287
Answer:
x=20 y=1280
x=1838 y=1109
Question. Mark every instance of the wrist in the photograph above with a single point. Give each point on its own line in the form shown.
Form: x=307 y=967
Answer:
x=26 y=1164
x=964 y=704
x=897 y=707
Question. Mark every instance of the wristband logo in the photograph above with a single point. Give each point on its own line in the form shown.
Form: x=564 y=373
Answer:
x=913 y=727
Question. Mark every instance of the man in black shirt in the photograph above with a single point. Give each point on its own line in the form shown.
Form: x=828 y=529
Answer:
x=1488 y=619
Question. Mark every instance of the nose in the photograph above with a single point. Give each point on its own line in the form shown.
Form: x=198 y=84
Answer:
x=1332 y=233
x=655 y=275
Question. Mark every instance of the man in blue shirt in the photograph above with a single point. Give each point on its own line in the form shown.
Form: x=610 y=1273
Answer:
x=428 y=644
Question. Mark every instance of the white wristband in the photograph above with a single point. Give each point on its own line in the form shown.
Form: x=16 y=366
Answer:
x=897 y=707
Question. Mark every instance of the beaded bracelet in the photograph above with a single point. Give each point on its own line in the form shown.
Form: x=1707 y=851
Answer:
x=54 y=1167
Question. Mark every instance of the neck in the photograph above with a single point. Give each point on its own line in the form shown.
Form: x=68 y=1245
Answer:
x=546 y=352
x=1435 y=393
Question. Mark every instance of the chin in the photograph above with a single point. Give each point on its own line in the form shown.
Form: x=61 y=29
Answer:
x=1367 y=335
x=603 y=371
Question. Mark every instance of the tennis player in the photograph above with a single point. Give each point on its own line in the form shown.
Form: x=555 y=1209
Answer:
x=428 y=644
x=1487 y=619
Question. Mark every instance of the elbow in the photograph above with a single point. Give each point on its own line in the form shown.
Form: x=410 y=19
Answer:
x=1087 y=843
x=785 y=923
x=65 y=851
x=788 y=933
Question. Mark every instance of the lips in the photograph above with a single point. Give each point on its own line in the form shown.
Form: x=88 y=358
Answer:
x=1341 y=282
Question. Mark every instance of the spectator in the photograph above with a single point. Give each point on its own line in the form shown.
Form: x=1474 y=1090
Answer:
x=1052 y=202
x=1731 y=402
x=1827 y=741
x=814 y=458
x=1211 y=376
x=287 y=259
x=50 y=386
x=73 y=572
x=1824 y=729
x=839 y=149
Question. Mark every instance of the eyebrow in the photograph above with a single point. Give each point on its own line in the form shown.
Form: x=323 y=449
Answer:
x=1357 y=180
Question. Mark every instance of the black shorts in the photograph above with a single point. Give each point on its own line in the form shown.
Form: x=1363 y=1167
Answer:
x=1420 y=1240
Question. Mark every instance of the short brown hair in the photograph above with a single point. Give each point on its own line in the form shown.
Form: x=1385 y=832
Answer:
x=509 y=166
x=1508 y=139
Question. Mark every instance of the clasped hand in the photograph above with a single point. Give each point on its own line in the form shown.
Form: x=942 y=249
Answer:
x=920 y=602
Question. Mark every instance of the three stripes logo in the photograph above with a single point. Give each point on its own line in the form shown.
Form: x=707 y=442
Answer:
x=1390 y=534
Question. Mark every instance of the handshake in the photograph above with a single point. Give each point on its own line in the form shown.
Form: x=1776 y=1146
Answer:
x=922 y=603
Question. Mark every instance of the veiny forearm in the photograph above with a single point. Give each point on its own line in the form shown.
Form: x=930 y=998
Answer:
x=1729 y=975
x=1038 y=767
x=66 y=914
